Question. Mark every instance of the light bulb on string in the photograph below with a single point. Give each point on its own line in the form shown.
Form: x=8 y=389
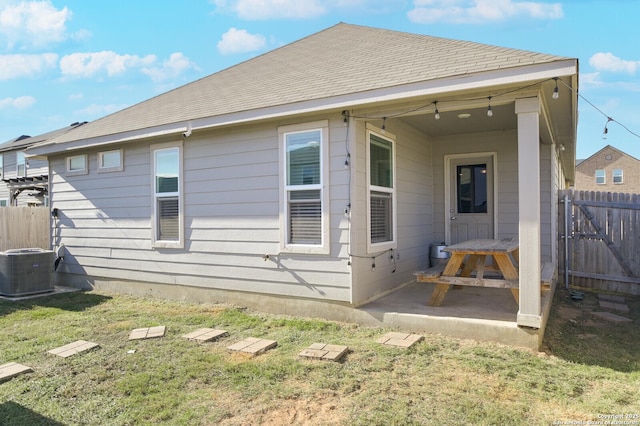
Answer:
x=384 y=124
x=436 y=112
x=489 y=110
x=556 y=94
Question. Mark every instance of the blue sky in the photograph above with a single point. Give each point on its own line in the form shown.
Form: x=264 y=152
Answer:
x=63 y=61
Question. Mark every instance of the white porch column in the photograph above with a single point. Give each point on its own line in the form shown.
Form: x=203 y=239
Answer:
x=528 y=111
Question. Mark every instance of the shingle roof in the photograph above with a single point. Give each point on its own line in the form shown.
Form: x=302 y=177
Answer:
x=26 y=141
x=340 y=60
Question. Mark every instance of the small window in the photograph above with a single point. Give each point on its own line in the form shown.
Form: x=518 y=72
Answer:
x=110 y=161
x=77 y=165
x=617 y=176
x=21 y=165
x=600 y=177
x=3 y=202
x=471 y=185
x=1 y=167
x=167 y=196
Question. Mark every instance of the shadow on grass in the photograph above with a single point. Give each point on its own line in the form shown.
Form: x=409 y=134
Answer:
x=575 y=334
x=17 y=415
x=75 y=301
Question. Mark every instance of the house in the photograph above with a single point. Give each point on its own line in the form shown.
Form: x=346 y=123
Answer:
x=609 y=170
x=25 y=181
x=321 y=171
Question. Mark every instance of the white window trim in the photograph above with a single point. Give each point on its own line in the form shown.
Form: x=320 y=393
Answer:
x=393 y=244
x=613 y=177
x=155 y=242
x=604 y=177
x=118 y=168
x=77 y=172
x=324 y=247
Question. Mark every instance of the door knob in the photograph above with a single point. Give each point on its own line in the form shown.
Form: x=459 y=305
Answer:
x=452 y=218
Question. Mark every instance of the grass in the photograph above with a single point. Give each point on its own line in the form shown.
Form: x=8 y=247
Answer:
x=588 y=369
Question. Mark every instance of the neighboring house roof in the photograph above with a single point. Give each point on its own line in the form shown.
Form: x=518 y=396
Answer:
x=606 y=148
x=25 y=141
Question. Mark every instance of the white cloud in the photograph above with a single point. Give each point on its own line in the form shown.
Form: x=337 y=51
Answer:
x=91 y=64
x=240 y=41
x=480 y=11
x=32 y=23
x=253 y=10
x=171 y=68
x=15 y=66
x=609 y=62
x=22 y=102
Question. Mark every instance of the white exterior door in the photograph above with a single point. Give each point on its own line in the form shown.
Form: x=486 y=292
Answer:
x=470 y=204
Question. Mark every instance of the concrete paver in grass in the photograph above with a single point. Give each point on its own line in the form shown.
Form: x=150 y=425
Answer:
x=621 y=307
x=400 y=340
x=12 y=369
x=324 y=351
x=205 y=334
x=253 y=345
x=608 y=316
x=147 y=332
x=73 y=348
x=611 y=298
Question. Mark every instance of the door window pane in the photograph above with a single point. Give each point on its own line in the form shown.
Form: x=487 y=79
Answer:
x=472 y=188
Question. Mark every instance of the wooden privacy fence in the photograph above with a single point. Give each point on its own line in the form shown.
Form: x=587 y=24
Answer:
x=24 y=227
x=602 y=250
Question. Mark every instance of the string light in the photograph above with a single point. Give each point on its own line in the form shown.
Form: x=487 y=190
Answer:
x=436 y=112
x=384 y=124
x=489 y=110
x=556 y=94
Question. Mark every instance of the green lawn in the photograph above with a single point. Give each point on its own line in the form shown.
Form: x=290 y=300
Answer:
x=589 y=369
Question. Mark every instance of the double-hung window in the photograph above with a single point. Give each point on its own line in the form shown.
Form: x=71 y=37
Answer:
x=21 y=164
x=304 y=179
x=167 y=196
x=601 y=177
x=617 y=176
x=381 y=202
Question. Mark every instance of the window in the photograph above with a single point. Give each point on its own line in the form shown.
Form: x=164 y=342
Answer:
x=600 y=177
x=21 y=164
x=110 y=161
x=471 y=188
x=167 y=196
x=77 y=165
x=382 y=196
x=1 y=166
x=617 y=176
x=304 y=203
x=3 y=202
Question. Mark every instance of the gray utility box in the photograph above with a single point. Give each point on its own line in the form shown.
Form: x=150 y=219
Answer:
x=25 y=271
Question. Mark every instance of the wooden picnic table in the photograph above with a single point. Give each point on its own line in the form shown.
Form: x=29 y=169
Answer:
x=468 y=264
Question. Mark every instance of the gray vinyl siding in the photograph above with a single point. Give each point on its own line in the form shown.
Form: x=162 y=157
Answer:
x=414 y=192
x=231 y=216
x=34 y=168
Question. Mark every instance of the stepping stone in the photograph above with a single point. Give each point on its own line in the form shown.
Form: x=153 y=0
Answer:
x=73 y=348
x=611 y=298
x=147 y=333
x=324 y=351
x=615 y=306
x=400 y=340
x=608 y=316
x=253 y=345
x=12 y=369
x=205 y=334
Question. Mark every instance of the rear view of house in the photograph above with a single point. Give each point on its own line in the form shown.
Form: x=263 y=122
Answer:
x=322 y=170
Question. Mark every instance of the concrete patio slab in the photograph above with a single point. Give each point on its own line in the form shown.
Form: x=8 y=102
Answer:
x=12 y=369
x=73 y=348
x=400 y=340
x=621 y=307
x=324 y=351
x=205 y=334
x=608 y=316
x=253 y=345
x=147 y=332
